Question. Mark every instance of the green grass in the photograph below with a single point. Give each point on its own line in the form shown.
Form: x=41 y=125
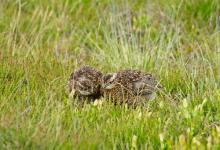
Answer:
x=43 y=41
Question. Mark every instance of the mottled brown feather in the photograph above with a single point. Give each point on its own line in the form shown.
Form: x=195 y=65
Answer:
x=130 y=86
x=85 y=82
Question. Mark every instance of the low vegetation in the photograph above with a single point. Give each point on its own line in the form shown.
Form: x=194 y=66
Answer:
x=43 y=41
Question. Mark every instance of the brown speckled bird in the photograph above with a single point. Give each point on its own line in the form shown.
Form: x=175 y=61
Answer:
x=85 y=83
x=129 y=86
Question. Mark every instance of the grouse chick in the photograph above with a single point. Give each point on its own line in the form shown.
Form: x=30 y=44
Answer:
x=85 y=83
x=129 y=86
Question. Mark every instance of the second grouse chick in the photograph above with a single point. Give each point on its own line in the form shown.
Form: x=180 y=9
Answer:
x=85 y=83
x=129 y=86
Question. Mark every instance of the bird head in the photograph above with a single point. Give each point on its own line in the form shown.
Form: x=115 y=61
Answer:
x=108 y=81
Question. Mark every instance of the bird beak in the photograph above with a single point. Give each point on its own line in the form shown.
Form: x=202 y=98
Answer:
x=72 y=93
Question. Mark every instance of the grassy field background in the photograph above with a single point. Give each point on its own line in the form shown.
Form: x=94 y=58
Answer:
x=43 y=41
